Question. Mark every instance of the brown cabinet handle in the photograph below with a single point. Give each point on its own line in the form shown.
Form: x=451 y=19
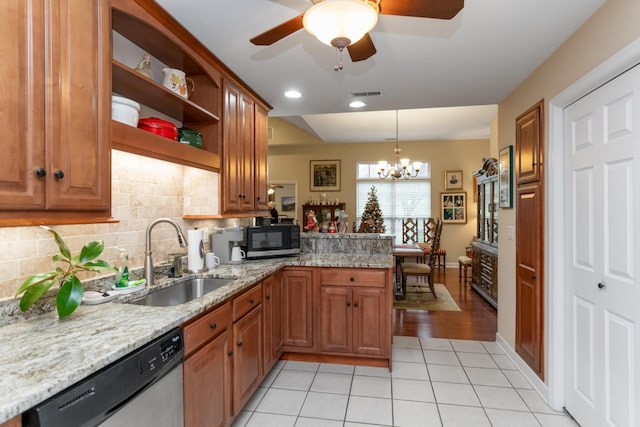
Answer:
x=348 y=304
x=41 y=172
x=351 y=279
x=355 y=305
x=267 y=297
x=239 y=344
x=213 y=326
x=59 y=174
x=230 y=353
x=251 y=301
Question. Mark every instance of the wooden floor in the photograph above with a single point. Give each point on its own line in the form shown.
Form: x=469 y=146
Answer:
x=477 y=319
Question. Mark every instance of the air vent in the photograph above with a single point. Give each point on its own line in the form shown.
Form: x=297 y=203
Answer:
x=374 y=93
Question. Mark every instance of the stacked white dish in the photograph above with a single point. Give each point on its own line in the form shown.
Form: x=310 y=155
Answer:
x=125 y=110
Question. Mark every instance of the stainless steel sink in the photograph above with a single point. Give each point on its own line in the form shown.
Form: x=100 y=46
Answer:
x=181 y=293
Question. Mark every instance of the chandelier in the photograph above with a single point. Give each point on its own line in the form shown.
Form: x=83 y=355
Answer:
x=340 y=23
x=402 y=167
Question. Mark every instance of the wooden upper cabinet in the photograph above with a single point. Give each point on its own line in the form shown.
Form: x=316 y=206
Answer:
x=232 y=184
x=22 y=106
x=260 y=155
x=78 y=105
x=529 y=141
x=244 y=135
x=58 y=101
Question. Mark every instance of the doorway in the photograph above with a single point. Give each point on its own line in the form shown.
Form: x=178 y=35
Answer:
x=283 y=194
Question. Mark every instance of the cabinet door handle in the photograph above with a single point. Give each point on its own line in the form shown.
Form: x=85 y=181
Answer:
x=267 y=297
x=601 y=285
x=41 y=172
x=59 y=174
x=251 y=301
x=213 y=326
x=351 y=279
x=355 y=305
x=239 y=344
x=348 y=304
x=229 y=353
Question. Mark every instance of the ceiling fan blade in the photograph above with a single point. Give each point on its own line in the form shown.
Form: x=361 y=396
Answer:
x=278 y=32
x=441 y=9
x=362 y=49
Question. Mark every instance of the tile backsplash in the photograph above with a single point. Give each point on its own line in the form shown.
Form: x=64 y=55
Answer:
x=142 y=189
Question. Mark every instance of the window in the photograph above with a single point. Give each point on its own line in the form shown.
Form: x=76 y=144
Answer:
x=398 y=198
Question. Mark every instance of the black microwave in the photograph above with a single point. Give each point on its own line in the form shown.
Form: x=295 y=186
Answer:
x=271 y=241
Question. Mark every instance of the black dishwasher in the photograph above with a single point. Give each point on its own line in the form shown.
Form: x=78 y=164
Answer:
x=140 y=389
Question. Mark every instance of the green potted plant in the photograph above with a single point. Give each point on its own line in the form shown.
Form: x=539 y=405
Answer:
x=71 y=290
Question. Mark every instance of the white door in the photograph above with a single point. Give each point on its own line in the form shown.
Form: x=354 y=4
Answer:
x=602 y=155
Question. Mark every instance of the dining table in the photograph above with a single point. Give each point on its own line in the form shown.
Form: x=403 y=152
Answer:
x=402 y=251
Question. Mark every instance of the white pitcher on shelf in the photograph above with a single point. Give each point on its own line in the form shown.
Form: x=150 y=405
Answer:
x=176 y=81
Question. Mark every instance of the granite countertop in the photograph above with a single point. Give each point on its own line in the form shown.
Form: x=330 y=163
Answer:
x=44 y=355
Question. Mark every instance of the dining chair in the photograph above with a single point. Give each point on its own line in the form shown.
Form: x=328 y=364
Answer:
x=410 y=233
x=423 y=269
x=429 y=226
x=409 y=230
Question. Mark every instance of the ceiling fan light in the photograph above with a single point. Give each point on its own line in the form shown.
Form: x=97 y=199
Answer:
x=340 y=23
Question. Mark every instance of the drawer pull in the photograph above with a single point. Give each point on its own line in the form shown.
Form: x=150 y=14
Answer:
x=267 y=297
x=351 y=279
x=251 y=301
x=348 y=304
x=230 y=353
x=355 y=305
x=239 y=344
x=213 y=326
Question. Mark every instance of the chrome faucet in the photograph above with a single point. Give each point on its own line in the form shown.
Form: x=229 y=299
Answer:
x=148 y=261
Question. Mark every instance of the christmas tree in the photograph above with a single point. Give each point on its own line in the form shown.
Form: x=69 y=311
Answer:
x=371 y=220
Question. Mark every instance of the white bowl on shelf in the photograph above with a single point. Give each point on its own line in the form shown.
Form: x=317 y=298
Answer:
x=125 y=110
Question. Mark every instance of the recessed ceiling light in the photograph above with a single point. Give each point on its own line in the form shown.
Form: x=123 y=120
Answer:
x=356 y=104
x=292 y=94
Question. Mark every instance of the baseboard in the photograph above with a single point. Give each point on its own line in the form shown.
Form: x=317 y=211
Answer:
x=534 y=380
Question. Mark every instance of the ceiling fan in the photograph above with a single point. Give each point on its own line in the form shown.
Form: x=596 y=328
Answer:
x=362 y=48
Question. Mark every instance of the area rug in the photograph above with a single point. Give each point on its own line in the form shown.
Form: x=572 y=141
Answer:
x=424 y=299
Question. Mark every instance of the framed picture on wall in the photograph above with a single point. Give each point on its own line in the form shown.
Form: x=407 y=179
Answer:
x=453 y=207
x=288 y=204
x=453 y=180
x=324 y=175
x=505 y=177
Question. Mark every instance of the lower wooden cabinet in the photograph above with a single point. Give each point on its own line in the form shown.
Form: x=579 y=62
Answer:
x=273 y=320
x=297 y=290
x=247 y=357
x=207 y=369
x=230 y=349
x=207 y=381
x=354 y=312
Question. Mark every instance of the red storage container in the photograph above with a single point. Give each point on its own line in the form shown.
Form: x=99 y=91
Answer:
x=159 y=127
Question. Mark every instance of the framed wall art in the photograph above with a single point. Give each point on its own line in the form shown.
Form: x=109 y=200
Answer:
x=324 y=175
x=453 y=180
x=505 y=177
x=453 y=207
x=288 y=204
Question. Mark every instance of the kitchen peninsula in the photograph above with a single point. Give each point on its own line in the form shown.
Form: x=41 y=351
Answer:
x=45 y=355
